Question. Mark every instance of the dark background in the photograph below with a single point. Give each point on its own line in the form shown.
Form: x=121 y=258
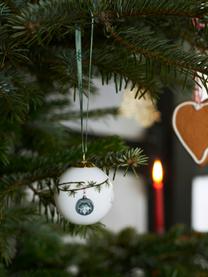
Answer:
x=179 y=168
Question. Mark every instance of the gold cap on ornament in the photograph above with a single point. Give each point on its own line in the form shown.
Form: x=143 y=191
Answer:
x=84 y=164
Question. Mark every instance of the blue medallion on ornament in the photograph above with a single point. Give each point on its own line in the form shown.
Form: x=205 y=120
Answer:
x=84 y=206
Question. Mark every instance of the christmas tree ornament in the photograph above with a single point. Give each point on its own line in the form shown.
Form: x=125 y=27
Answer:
x=84 y=195
x=143 y=110
x=191 y=126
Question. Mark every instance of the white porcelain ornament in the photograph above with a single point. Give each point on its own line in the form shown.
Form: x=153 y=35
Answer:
x=85 y=195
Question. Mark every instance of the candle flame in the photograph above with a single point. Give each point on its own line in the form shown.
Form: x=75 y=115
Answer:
x=157 y=174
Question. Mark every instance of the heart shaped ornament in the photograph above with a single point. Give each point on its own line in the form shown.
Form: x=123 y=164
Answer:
x=190 y=123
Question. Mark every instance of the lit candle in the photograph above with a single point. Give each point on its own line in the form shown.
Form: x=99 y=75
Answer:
x=157 y=176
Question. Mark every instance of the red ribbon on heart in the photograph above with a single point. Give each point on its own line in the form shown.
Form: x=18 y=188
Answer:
x=197 y=93
x=198 y=25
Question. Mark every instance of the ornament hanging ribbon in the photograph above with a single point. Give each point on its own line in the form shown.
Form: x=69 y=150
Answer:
x=197 y=92
x=78 y=45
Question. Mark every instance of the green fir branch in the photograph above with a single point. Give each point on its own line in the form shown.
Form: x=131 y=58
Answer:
x=11 y=220
x=128 y=159
x=161 y=50
x=131 y=8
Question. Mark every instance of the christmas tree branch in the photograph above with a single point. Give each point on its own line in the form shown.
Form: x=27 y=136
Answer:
x=131 y=8
x=191 y=63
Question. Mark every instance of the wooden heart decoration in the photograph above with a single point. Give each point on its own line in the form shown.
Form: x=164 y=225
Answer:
x=190 y=123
